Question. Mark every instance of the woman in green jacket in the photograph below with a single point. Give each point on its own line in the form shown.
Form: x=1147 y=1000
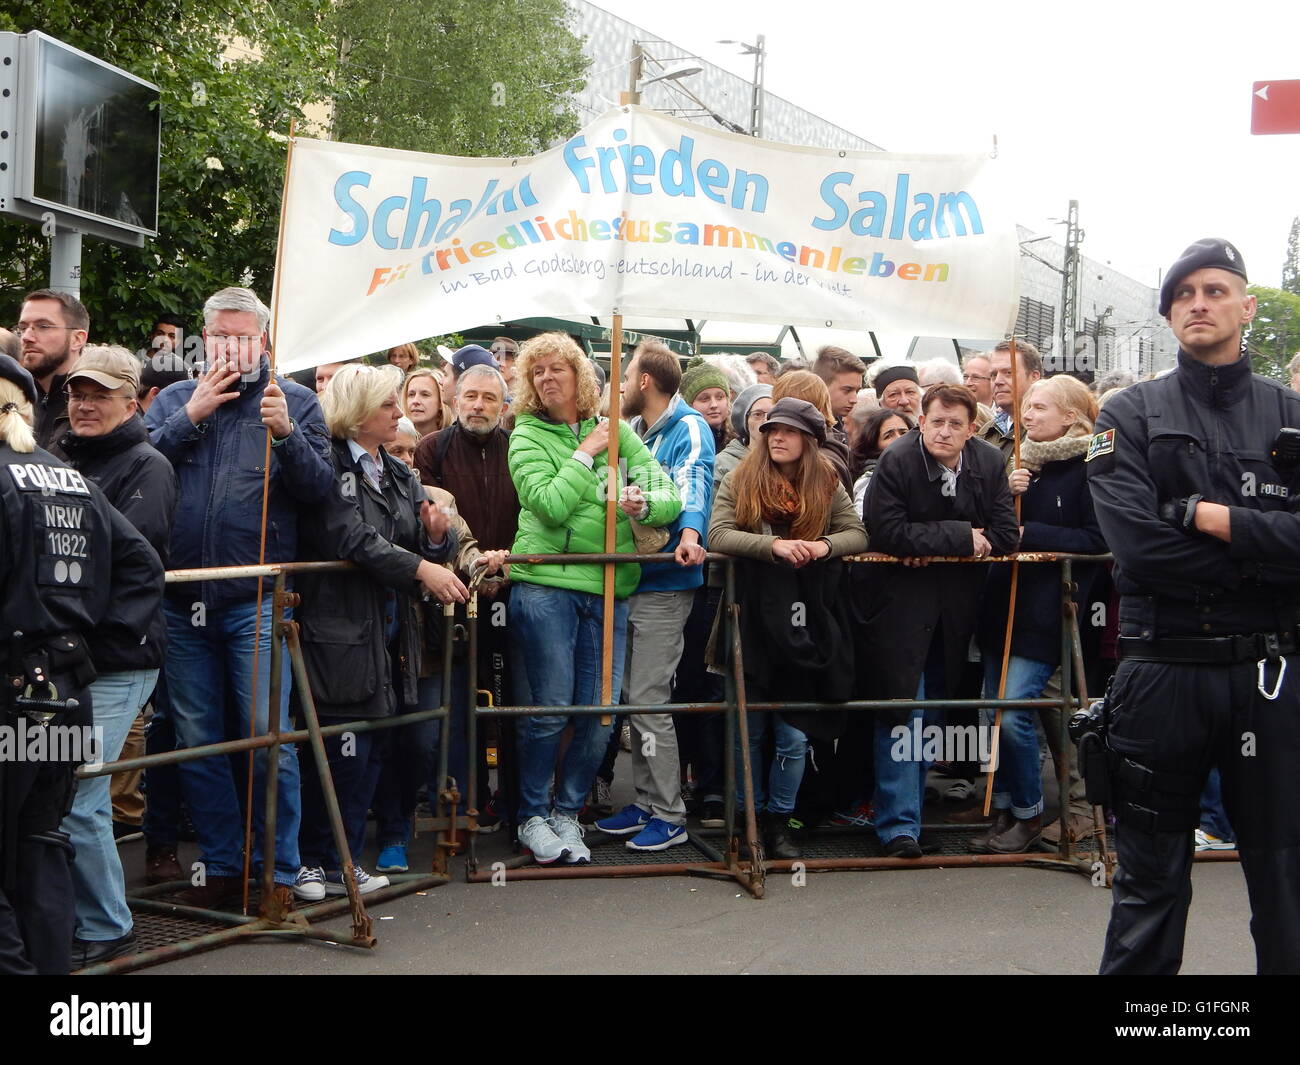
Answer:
x=557 y=461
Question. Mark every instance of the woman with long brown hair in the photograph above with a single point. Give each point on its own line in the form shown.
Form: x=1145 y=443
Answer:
x=806 y=385
x=784 y=510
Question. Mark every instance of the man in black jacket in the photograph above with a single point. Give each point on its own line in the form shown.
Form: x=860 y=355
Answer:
x=937 y=491
x=1196 y=481
x=109 y=445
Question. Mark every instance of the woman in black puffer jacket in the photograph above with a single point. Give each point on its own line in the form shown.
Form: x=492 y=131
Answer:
x=1057 y=515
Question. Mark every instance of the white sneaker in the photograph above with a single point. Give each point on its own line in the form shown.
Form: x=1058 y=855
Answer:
x=539 y=837
x=1206 y=842
x=366 y=883
x=570 y=834
x=310 y=884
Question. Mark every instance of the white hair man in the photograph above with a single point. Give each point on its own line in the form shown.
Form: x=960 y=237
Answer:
x=215 y=430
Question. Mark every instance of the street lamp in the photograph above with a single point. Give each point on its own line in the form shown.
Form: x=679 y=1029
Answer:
x=759 y=52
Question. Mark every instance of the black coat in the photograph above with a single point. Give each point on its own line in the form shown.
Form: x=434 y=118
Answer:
x=1205 y=430
x=908 y=515
x=141 y=484
x=1057 y=514
x=344 y=616
x=807 y=662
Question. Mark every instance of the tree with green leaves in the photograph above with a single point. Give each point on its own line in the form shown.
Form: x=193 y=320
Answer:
x=1291 y=268
x=231 y=78
x=1274 y=334
x=457 y=77
x=470 y=77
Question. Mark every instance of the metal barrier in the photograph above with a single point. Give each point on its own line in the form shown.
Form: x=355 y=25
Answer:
x=273 y=919
x=728 y=864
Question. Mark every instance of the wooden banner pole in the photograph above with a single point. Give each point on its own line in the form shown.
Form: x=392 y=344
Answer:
x=607 y=693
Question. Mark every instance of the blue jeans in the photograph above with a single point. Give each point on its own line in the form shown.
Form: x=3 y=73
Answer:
x=410 y=762
x=1018 y=782
x=560 y=633
x=98 y=886
x=900 y=781
x=788 y=761
x=1214 y=818
x=208 y=666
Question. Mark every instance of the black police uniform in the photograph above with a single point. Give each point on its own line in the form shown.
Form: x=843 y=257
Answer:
x=1210 y=674
x=69 y=563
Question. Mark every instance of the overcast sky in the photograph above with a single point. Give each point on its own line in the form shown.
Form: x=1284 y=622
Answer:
x=1138 y=110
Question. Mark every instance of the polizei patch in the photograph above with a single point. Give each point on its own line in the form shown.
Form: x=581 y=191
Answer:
x=30 y=477
x=1101 y=444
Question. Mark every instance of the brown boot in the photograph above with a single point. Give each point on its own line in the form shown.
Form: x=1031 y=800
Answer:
x=213 y=893
x=1018 y=838
x=161 y=866
x=1001 y=822
x=972 y=815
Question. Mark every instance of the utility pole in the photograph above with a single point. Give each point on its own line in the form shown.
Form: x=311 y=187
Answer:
x=756 y=107
x=1070 y=287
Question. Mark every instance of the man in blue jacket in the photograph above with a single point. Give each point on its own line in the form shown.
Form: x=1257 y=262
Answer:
x=214 y=432
x=680 y=439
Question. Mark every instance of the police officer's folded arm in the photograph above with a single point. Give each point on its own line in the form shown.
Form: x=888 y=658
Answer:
x=1266 y=536
x=1148 y=550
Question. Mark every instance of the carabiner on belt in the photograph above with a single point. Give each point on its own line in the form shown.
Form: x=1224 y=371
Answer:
x=1277 y=685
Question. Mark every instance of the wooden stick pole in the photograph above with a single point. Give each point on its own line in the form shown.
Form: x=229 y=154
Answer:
x=273 y=720
x=607 y=694
x=1015 y=579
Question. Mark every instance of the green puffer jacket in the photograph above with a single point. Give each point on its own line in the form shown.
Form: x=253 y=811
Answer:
x=562 y=503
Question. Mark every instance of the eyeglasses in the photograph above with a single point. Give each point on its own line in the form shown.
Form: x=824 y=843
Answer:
x=39 y=327
x=975 y=377
x=225 y=338
x=96 y=399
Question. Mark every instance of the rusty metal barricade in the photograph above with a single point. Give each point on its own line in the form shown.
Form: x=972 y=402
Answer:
x=1097 y=862
x=272 y=920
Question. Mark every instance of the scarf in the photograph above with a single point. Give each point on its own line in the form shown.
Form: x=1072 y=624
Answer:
x=784 y=507
x=1035 y=454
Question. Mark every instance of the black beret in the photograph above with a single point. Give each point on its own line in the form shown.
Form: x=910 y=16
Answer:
x=799 y=414
x=890 y=374
x=1208 y=252
x=12 y=370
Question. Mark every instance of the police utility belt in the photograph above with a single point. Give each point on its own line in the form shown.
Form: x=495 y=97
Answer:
x=1210 y=650
x=35 y=673
x=1265 y=649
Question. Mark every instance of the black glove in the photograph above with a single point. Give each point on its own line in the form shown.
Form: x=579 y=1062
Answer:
x=1181 y=512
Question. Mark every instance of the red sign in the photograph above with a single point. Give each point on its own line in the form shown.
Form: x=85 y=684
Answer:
x=1275 y=107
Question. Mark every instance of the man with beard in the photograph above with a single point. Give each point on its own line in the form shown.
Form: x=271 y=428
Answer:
x=53 y=327
x=680 y=440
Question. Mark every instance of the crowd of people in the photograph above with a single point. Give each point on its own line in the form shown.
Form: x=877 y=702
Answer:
x=426 y=478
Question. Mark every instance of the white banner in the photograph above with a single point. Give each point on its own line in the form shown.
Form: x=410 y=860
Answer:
x=642 y=215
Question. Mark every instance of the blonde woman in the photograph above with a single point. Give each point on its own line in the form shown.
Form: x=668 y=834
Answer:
x=362 y=630
x=1057 y=515
x=422 y=401
x=557 y=462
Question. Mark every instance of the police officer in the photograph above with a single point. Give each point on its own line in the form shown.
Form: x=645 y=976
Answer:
x=1196 y=481
x=69 y=563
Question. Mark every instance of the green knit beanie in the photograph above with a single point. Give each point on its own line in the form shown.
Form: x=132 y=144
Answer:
x=698 y=376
